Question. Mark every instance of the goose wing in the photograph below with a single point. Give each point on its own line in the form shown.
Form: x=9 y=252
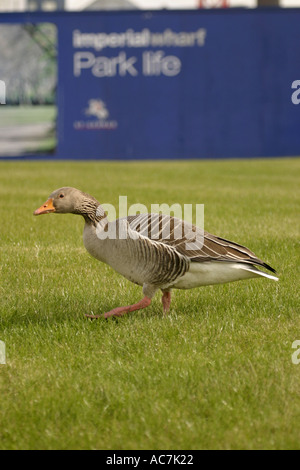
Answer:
x=190 y=241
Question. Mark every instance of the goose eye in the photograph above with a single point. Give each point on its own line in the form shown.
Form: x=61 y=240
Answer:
x=61 y=195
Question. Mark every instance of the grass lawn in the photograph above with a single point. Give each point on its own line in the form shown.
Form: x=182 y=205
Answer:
x=27 y=130
x=23 y=115
x=216 y=373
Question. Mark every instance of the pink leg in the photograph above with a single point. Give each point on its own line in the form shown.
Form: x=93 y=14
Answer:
x=166 y=301
x=119 y=311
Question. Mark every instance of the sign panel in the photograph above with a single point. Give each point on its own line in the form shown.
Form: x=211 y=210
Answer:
x=176 y=84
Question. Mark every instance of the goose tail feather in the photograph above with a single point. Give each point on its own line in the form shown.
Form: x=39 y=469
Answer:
x=256 y=272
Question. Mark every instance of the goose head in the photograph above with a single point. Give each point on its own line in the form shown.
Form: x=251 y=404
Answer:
x=69 y=200
x=62 y=200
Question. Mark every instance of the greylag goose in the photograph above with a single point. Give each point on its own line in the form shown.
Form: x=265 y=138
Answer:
x=155 y=251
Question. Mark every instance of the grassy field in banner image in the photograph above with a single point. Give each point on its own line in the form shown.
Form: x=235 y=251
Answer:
x=28 y=65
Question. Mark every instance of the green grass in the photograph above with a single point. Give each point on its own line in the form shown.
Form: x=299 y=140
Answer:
x=18 y=115
x=216 y=373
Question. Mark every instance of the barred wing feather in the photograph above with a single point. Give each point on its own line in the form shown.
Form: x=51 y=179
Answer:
x=190 y=241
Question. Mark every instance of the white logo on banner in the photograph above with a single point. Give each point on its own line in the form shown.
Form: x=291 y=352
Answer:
x=96 y=109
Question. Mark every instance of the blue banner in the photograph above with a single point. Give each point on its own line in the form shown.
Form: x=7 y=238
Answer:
x=176 y=84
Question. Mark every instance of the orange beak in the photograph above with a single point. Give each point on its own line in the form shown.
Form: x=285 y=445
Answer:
x=45 y=208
